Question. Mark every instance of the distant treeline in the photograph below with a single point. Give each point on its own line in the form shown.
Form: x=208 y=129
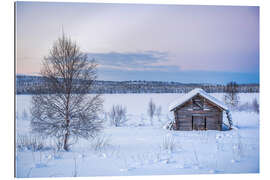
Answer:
x=28 y=85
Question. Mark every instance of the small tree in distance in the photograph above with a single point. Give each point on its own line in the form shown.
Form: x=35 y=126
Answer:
x=255 y=105
x=66 y=112
x=231 y=97
x=151 y=110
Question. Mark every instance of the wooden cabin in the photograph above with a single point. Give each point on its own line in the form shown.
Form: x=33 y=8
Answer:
x=197 y=110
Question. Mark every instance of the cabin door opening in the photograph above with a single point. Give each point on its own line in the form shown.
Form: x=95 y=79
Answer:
x=198 y=123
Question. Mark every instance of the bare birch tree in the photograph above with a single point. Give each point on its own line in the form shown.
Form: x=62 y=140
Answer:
x=66 y=111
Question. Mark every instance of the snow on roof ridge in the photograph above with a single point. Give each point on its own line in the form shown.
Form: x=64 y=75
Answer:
x=193 y=93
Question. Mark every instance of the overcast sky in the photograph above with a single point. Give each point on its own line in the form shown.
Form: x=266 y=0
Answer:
x=208 y=44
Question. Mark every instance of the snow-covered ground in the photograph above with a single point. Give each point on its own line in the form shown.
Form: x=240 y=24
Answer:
x=139 y=148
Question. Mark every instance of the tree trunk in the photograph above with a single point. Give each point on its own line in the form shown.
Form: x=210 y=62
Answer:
x=66 y=141
x=67 y=123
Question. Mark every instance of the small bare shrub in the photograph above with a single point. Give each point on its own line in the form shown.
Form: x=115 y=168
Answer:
x=58 y=143
x=151 y=110
x=168 y=143
x=238 y=148
x=118 y=115
x=158 y=112
x=100 y=143
x=33 y=143
x=255 y=105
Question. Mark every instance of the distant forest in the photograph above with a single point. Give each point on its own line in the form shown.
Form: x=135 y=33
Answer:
x=28 y=85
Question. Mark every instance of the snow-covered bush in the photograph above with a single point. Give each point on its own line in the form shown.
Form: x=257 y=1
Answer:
x=229 y=117
x=170 y=123
x=27 y=142
x=118 y=115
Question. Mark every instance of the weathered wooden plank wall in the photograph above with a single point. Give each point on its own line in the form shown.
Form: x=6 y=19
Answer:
x=208 y=118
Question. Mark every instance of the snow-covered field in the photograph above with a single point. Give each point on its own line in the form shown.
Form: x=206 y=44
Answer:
x=139 y=148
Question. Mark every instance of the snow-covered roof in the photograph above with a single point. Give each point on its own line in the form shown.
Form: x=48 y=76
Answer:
x=193 y=93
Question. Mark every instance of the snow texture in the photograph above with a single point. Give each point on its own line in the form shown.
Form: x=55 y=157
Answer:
x=194 y=92
x=137 y=148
